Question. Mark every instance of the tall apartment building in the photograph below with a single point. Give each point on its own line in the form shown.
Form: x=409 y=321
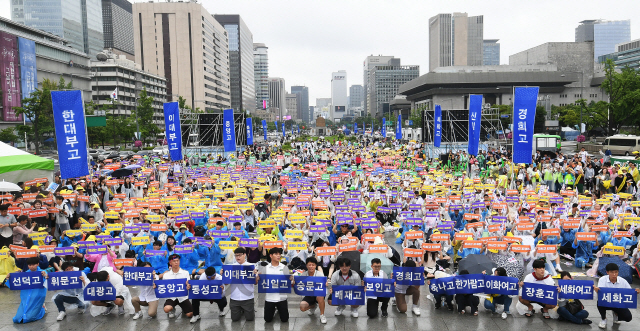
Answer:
x=277 y=97
x=356 y=96
x=77 y=21
x=292 y=105
x=455 y=40
x=117 y=26
x=384 y=82
x=339 y=100
x=182 y=42
x=261 y=75
x=604 y=34
x=370 y=62
x=303 y=103
x=243 y=91
x=490 y=52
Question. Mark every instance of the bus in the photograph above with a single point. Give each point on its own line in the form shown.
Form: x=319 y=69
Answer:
x=547 y=144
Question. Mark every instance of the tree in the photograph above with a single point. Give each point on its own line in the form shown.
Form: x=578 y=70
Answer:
x=416 y=116
x=99 y=134
x=8 y=135
x=623 y=88
x=144 y=112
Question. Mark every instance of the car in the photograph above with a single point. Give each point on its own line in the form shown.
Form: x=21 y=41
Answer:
x=94 y=153
x=160 y=150
x=125 y=154
x=142 y=153
x=102 y=155
x=114 y=155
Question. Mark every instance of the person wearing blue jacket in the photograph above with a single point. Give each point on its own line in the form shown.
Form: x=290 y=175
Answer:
x=568 y=237
x=237 y=226
x=584 y=251
x=31 y=306
x=604 y=237
x=189 y=261
x=158 y=262
x=458 y=216
x=464 y=252
x=624 y=241
x=212 y=257
x=66 y=241
x=183 y=234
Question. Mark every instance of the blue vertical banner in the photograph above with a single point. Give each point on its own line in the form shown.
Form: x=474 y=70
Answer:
x=28 y=72
x=71 y=136
x=229 y=133
x=276 y=125
x=399 y=128
x=524 y=115
x=383 y=130
x=264 y=129
x=475 y=115
x=298 y=129
x=249 y=131
x=437 y=132
x=355 y=128
x=372 y=127
x=292 y=129
x=173 y=131
x=283 y=133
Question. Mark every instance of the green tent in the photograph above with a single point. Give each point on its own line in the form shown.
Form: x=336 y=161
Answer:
x=19 y=166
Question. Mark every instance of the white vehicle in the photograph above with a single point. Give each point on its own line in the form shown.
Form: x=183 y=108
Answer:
x=160 y=150
x=622 y=144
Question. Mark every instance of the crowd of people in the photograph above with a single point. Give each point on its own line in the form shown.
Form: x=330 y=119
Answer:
x=379 y=202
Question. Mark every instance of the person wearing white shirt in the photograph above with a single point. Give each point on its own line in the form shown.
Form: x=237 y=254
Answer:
x=611 y=280
x=147 y=297
x=538 y=276
x=241 y=295
x=210 y=274
x=175 y=272
x=372 y=302
x=275 y=301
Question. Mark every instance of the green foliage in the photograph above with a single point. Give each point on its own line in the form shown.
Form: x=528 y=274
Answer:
x=8 y=135
x=144 y=112
x=623 y=88
x=416 y=116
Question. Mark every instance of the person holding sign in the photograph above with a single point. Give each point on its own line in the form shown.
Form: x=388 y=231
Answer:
x=345 y=276
x=467 y=300
x=572 y=310
x=310 y=303
x=147 y=297
x=584 y=249
x=7 y=222
x=498 y=299
x=372 y=302
x=611 y=280
x=241 y=297
x=538 y=276
x=20 y=230
x=31 y=306
x=401 y=292
x=210 y=274
x=274 y=301
x=175 y=272
x=70 y=295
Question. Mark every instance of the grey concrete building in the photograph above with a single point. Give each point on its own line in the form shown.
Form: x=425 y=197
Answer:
x=277 y=97
x=243 y=91
x=490 y=52
x=322 y=102
x=356 y=96
x=383 y=85
x=368 y=64
x=604 y=34
x=117 y=23
x=182 y=42
x=455 y=39
x=292 y=105
x=303 y=103
x=261 y=75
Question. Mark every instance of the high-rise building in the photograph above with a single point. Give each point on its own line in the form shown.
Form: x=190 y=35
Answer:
x=243 y=90
x=77 y=21
x=277 y=97
x=322 y=102
x=384 y=82
x=303 y=105
x=182 y=42
x=117 y=26
x=17 y=11
x=356 y=96
x=455 y=40
x=339 y=101
x=261 y=75
x=292 y=105
x=626 y=55
x=604 y=34
x=370 y=62
x=490 y=52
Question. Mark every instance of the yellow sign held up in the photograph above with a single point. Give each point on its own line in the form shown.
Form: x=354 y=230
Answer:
x=613 y=250
x=297 y=246
x=139 y=241
x=111 y=215
x=267 y=224
x=90 y=227
x=154 y=218
x=114 y=227
x=228 y=244
x=73 y=233
x=293 y=234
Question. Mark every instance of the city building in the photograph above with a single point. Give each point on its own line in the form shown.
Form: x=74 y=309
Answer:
x=356 y=97
x=120 y=73
x=383 y=85
x=182 y=42
x=626 y=55
x=604 y=34
x=52 y=58
x=370 y=62
x=261 y=75
x=322 y=102
x=304 y=114
x=292 y=105
x=455 y=40
x=490 y=52
x=277 y=97
x=117 y=26
x=243 y=90
x=339 y=101
x=77 y=21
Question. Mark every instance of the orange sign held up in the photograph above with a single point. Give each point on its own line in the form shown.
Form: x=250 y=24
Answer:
x=429 y=247
x=472 y=244
x=272 y=244
x=412 y=252
x=347 y=247
x=382 y=249
x=499 y=245
x=586 y=236
x=123 y=262
x=412 y=235
x=546 y=249
x=520 y=248
x=439 y=237
x=326 y=251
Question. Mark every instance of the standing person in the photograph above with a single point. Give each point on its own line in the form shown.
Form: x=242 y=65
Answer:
x=310 y=303
x=70 y=296
x=611 y=280
x=372 y=302
x=7 y=222
x=538 y=276
x=241 y=297
x=572 y=310
x=62 y=216
x=175 y=272
x=210 y=274
x=147 y=297
x=345 y=276
x=275 y=301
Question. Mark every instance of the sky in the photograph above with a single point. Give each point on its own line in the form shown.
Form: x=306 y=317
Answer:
x=310 y=39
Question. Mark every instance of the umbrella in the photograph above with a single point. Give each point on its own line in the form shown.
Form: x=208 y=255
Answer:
x=122 y=173
x=513 y=268
x=354 y=256
x=365 y=262
x=625 y=270
x=9 y=187
x=476 y=264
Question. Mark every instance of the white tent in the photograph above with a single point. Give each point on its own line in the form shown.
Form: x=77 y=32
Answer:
x=19 y=166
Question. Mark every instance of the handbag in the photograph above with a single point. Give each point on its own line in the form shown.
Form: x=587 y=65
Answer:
x=574 y=306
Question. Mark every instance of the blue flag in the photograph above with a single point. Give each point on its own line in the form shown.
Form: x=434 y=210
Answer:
x=475 y=116
x=437 y=132
x=347 y=295
x=99 y=291
x=298 y=129
x=524 y=115
x=71 y=136
x=276 y=126
x=28 y=72
x=142 y=276
x=310 y=286
x=173 y=131
x=249 y=131
x=171 y=288
x=64 y=280
x=618 y=297
x=229 y=133
x=399 y=128
x=274 y=284
x=379 y=287
x=26 y=280
x=501 y=285
x=546 y=294
x=283 y=133
x=238 y=274
x=383 y=130
x=264 y=129
x=575 y=289
x=205 y=289
x=408 y=275
x=355 y=128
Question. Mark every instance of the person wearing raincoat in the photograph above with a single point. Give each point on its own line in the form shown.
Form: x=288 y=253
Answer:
x=31 y=306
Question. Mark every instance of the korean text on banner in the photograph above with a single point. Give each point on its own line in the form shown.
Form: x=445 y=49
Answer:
x=347 y=295
x=355 y=128
x=399 y=128
x=524 y=114
x=379 y=287
x=64 y=280
x=475 y=116
x=173 y=131
x=618 y=298
x=437 y=132
x=238 y=274
x=171 y=288
x=25 y=280
x=264 y=129
x=546 y=294
x=408 y=275
x=249 y=131
x=9 y=62
x=576 y=289
x=501 y=285
x=71 y=136
x=310 y=286
x=99 y=291
x=28 y=72
x=274 y=284
x=283 y=132
x=205 y=289
x=229 y=131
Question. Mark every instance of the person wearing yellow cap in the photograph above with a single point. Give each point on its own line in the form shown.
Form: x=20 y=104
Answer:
x=97 y=214
x=81 y=207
